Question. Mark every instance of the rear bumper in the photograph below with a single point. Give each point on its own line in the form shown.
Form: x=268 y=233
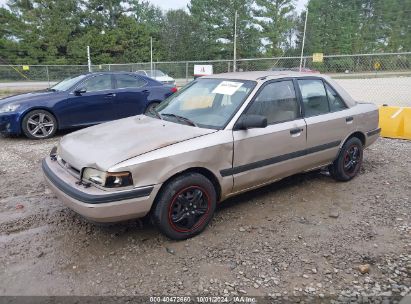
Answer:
x=374 y=132
x=95 y=204
x=372 y=136
x=10 y=123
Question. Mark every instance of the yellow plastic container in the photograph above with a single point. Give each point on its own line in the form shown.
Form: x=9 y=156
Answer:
x=395 y=122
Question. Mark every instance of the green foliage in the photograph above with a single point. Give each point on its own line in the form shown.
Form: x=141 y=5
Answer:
x=215 y=34
x=275 y=18
x=357 y=26
x=119 y=31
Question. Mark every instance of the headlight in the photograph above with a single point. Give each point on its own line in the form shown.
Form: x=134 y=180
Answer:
x=108 y=179
x=9 y=108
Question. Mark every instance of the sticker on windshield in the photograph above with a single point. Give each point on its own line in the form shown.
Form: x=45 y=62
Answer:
x=227 y=88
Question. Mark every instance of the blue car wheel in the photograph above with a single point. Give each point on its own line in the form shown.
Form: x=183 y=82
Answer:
x=39 y=124
x=151 y=107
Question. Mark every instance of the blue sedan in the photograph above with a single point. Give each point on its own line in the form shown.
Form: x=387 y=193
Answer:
x=79 y=101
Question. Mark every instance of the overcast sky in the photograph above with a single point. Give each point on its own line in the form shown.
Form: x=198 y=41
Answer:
x=174 y=4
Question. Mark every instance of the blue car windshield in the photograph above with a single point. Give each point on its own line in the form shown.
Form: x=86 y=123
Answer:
x=67 y=83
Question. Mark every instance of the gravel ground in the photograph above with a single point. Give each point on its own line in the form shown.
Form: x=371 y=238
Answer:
x=305 y=235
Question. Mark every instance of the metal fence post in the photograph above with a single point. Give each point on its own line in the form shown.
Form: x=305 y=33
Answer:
x=187 y=72
x=47 y=73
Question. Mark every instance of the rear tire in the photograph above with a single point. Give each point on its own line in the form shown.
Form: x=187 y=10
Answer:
x=349 y=160
x=151 y=107
x=185 y=206
x=39 y=124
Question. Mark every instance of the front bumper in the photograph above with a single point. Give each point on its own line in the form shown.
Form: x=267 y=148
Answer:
x=9 y=123
x=96 y=204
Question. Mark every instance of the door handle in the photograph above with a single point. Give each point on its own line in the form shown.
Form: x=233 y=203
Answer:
x=110 y=95
x=349 y=119
x=296 y=131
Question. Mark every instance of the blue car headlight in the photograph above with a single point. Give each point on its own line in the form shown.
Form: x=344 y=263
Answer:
x=9 y=108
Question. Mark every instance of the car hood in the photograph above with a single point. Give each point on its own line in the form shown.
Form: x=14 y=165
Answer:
x=27 y=97
x=108 y=144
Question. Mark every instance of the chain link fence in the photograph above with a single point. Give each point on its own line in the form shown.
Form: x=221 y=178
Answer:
x=380 y=78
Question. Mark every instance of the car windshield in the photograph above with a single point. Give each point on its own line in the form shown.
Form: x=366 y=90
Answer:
x=207 y=103
x=67 y=83
x=155 y=73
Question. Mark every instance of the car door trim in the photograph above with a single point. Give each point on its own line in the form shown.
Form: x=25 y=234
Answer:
x=278 y=159
x=373 y=132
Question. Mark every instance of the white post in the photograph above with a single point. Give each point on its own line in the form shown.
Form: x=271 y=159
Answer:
x=186 y=72
x=48 y=76
x=88 y=58
x=235 y=43
x=151 y=56
x=302 y=48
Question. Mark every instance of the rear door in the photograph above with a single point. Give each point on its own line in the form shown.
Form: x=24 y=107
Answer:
x=265 y=154
x=132 y=93
x=96 y=105
x=329 y=120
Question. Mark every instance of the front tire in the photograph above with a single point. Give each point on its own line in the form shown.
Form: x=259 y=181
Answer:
x=349 y=160
x=185 y=206
x=39 y=124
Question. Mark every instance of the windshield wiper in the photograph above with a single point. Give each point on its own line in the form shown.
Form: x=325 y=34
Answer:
x=181 y=118
x=153 y=111
x=51 y=90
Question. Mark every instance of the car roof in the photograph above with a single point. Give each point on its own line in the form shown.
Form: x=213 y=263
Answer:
x=260 y=75
x=109 y=72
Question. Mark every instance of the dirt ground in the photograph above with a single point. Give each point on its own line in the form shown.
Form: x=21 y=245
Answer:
x=305 y=235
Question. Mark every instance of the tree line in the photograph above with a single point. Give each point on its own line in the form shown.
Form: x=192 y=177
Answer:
x=119 y=31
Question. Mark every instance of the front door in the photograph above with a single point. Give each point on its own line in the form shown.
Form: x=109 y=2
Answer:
x=95 y=105
x=265 y=154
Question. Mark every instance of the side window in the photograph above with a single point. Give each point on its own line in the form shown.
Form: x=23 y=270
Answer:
x=277 y=101
x=314 y=97
x=98 y=83
x=336 y=103
x=129 y=81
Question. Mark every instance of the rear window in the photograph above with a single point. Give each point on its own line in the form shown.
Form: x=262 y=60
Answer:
x=129 y=81
x=314 y=97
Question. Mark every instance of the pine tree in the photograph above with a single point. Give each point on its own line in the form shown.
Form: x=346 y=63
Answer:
x=275 y=18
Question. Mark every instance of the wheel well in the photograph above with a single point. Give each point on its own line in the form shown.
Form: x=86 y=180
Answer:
x=359 y=135
x=153 y=101
x=203 y=171
x=35 y=109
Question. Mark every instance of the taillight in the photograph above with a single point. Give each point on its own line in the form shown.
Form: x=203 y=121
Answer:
x=174 y=89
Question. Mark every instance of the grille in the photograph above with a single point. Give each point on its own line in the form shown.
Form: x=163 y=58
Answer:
x=72 y=170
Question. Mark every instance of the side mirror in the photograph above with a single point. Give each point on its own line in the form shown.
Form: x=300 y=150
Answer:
x=80 y=91
x=251 y=122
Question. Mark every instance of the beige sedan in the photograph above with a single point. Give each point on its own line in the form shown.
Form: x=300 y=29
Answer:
x=217 y=137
